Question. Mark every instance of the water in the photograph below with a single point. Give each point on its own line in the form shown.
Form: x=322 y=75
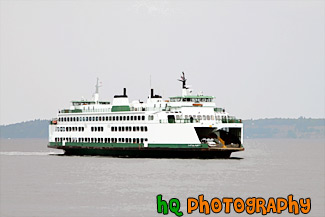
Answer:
x=35 y=181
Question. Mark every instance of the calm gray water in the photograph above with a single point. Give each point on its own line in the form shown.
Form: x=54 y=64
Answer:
x=37 y=183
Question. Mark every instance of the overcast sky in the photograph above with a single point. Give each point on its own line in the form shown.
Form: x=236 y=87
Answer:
x=260 y=59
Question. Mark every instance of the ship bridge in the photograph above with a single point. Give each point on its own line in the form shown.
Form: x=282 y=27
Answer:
x=196 y=101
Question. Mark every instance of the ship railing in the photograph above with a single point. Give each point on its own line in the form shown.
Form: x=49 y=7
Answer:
x=183 y=120
x=71 y=111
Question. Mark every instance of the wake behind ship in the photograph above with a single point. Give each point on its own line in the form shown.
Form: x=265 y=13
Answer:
x=185 y=126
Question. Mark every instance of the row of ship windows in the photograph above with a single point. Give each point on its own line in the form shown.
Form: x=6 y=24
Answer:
x=101 y=129
x=70 y=129
x=102 y=140
x=191 y=100
x=126 y=129
x=97 y=129
x=201 y=117
x=134 y=118
x=106 y=118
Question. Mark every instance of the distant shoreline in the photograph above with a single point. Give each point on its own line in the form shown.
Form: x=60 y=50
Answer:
x=308 y=128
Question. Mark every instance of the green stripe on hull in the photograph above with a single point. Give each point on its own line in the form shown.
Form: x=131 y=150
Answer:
x=139 y=151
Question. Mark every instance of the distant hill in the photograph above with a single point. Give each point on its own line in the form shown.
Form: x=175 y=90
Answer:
x=27 y=129
x=285 y=128
x=261 y=128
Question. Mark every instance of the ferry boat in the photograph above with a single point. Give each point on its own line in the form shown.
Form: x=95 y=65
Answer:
x=184 y=126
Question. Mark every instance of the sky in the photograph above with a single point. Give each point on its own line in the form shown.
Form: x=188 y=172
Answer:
x=260 y=59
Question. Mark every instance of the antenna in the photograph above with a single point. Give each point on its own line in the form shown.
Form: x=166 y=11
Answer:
x=183 y=80
x=97 y=85
x=97 y=90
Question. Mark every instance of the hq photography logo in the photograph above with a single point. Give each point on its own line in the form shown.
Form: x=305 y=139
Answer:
x=251 y=205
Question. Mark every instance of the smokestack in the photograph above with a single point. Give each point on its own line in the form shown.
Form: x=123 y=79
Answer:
x=124 y=91
x=151 y=93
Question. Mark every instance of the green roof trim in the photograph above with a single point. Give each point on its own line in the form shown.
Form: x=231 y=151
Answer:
x=123 y=108
x=193 y=97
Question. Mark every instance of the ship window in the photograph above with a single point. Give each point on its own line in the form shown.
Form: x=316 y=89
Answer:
x=142 y=129
x=112 y=129
x=113 y=118
x=134 y=129
x=135 y=118
x=128 y=118
x=143 y=117
x=171 y=119
x=145 y=128
x=96 y=118
x=208 y=117
x=102 y=129
x=106 y=118
x=139 y=118
x=122 y=129
x=126 y=129
x=108 y=140
x=100 y=118
x=130 y=128
x=141 y=140
x=204 y=117
x=131 y=118
x=138 y=128
x=124 y=118
x=119 y=128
